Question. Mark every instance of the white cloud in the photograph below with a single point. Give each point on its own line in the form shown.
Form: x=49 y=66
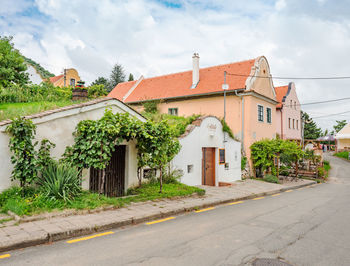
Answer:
x=299 y=38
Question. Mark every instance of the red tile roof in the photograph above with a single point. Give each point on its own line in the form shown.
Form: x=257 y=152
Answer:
x=280 y=93
x=179 y=84
x=55 y=78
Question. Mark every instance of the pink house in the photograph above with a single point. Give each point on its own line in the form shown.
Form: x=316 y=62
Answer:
x=250 y=96
x=288 y=113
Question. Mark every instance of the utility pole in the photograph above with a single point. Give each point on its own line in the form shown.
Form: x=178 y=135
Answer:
x=64 y=76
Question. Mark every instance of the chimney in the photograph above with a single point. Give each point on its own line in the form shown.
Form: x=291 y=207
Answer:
x=195 y=70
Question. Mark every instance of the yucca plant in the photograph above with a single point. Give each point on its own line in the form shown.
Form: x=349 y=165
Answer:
x=60 y=182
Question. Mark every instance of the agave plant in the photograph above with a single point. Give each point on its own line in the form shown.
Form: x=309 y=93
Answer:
x=60 y=181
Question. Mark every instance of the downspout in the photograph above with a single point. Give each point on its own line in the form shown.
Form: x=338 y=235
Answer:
x=242 y=129
x=281 y=122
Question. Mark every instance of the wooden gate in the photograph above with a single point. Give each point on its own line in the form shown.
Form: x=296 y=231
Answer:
x=114 y=175
x=208 y=166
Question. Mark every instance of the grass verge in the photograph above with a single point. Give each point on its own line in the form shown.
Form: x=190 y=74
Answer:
x=33 y=202
x=343 y=154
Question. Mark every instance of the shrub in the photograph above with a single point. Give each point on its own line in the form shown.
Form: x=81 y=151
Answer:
x=96 y=91
x=172 y=176
x=243 y=162
x=326 y=165
x=151 y=106
x=321 y=172
x=343 y=154
x=271 y=179
x=60 y=182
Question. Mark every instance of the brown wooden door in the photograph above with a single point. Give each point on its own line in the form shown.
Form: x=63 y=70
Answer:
x=114 y=175
x=208 y=166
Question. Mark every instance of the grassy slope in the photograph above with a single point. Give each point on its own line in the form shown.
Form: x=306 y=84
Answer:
x=12 y=110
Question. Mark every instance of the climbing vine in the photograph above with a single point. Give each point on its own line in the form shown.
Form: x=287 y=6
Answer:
x=21 y=145
x=95 y=141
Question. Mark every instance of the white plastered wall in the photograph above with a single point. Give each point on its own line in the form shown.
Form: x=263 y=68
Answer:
x=58 y=128
x=191 y=153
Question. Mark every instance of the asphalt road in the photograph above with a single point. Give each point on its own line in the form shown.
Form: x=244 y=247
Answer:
x=310 y=226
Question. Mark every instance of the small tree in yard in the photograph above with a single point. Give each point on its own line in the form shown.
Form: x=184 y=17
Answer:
x=157 y=146
x=21 y=145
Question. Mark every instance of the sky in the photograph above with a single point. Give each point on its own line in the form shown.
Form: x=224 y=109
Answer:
x=152 y=37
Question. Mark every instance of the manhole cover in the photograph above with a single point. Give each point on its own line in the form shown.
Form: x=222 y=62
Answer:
x=270 y=262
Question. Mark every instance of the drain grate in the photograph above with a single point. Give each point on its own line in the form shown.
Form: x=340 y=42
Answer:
x=270 y=262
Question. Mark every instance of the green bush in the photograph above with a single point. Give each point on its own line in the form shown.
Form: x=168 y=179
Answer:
x=34 y=93
x=243 y=162
x=151 y=106
x=343 y=154
x=271 y=179
x=59 y=182
x=321 y=172
x=96 y=91
x=172 y=177
x=326 y=165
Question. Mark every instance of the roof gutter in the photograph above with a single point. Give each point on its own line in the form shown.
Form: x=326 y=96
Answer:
x=188 y=96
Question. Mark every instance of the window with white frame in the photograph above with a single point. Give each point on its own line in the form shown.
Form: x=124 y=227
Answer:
x=297 y=124
x=268 y=115
x=260 y=113
x=293 y=124
x=289 y=122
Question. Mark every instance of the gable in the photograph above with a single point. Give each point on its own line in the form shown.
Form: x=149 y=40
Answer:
x=260 y=79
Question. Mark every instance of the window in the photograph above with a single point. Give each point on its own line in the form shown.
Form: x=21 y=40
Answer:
x=172 y=111
x=293 y=124
x=297 y=124
x=268 y=114
x=222 y=156
x=190 y=168
x=289 y=122
x=72 y=82
x=295 y=105
x=261 y=113
x=291 y=104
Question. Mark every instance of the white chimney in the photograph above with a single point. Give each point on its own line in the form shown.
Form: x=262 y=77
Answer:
x=195 y=70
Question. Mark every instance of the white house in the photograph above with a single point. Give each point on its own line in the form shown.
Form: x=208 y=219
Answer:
x=208 y=156
x=34 y=75
x=58 y=126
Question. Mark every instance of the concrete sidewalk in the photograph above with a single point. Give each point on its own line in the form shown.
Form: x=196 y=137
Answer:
x=54 y=229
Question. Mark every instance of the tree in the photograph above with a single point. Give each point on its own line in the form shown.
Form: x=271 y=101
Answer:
x=99 y=81
x=311 y=131
x=340 y=124
x=131 y=77
x=117 y=76
x=325 y=133
x=12 y=65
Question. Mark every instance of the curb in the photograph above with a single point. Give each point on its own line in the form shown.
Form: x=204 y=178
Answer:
x=57 y=236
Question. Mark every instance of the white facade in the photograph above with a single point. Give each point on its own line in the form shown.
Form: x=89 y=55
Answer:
x=208 y=134
x=58 y=128
x=34 y=76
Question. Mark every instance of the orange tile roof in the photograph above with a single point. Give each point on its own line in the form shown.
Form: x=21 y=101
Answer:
x=179 y=84
x=280 y=93
x=55 y=78
x=121 y=89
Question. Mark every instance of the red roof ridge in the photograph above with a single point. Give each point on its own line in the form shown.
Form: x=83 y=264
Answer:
x=201 y=68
